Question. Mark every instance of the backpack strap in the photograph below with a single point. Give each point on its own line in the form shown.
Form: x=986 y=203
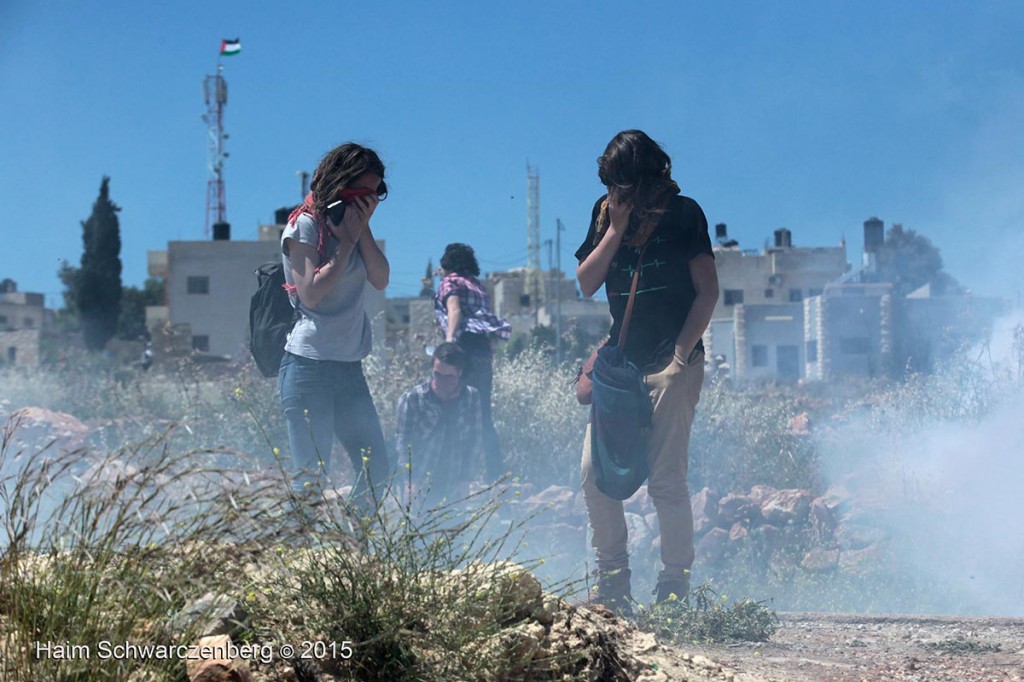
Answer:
x=624 y=330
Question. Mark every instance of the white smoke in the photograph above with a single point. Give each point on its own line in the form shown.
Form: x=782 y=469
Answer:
x=946 y=457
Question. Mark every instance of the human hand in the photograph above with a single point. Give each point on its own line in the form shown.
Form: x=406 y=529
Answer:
x=356 y=219
x=618 y=212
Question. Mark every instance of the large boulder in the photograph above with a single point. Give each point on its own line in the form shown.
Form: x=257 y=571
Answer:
x=640 y=502
x=735 y=508
x=640 y=537
x=704 y=506
x=712 y=548
x=37 y=429
x=219 y=667
x=823 y=519
x=209 y=616
x=790 y=506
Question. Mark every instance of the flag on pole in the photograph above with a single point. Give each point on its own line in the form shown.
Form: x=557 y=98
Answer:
x=229 y=47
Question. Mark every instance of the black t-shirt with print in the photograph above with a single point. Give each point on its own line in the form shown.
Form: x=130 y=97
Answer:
x=665 y=290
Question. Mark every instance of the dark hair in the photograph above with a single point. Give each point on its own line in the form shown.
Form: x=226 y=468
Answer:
x=459 y=258
x=452 y=354
x=341 y=166
x=637 y=170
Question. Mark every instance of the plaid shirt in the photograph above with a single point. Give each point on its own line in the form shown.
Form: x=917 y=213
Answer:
x=442 y=441
x=477 y=317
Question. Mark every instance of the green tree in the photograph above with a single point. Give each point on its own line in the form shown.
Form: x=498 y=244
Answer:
x=97 y=285
x=132 y=323
x=909 y=260
x=67 y=317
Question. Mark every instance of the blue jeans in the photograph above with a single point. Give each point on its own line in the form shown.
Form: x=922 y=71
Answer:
x=327 y=398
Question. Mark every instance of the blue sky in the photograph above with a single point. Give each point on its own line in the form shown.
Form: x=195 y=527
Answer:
x=812 y=116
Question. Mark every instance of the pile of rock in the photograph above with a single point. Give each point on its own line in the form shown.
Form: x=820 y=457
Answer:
x=840 y=529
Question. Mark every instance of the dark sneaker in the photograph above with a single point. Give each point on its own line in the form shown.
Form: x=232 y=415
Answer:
x=613 y=592
x=672 y=590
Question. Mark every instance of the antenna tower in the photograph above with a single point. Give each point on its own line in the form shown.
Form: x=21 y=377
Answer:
x=534 y=278
x=216 y=90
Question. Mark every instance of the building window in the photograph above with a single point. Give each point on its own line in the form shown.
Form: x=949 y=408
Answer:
x=796 y=295
x=733 y=296
x=759 y=356
x=855 y=345
x=201 y=343
x=198 y=285
x=3 y=319
x=769 y=293
x=12 y=354
x=29 y=323
x=812 y=351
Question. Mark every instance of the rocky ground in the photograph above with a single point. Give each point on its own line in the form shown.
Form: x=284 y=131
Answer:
x=821 y=647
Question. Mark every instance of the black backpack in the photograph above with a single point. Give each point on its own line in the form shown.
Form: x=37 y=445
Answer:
x=271 y=317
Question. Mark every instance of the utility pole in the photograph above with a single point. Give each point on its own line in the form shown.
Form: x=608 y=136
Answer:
x=547 y=278
x=534 y=281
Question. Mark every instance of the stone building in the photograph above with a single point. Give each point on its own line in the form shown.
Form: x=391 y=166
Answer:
x=23 y=319
x=208 y=285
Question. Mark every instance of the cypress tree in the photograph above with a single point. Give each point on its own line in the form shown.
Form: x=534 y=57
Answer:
x=98 y=282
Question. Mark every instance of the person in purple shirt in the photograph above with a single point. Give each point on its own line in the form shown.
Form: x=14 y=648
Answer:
x=464 y=312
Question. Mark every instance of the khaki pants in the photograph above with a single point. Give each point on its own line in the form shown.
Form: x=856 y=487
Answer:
x=674 y=392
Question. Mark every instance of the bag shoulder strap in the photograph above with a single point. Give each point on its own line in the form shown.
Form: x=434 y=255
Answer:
x=624 y=331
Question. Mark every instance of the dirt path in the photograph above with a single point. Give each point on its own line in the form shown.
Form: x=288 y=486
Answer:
x=819 y=647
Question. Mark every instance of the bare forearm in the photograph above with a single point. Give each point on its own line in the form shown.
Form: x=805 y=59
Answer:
x=378 y=270
x=592 y=272
x=454 y=322
x=704 y=276
x=313 y=283
x=696 y=322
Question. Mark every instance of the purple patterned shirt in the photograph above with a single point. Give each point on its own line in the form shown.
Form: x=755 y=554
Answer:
x=477 y=317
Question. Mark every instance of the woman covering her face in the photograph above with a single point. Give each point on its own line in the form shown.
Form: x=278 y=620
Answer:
x=330 y=256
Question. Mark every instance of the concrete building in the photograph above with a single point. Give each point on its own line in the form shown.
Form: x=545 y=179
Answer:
x=849 y=330
x=590 y=316
x=835 y=322
x=751 y=283
x=929 y=329
x=769 y=341
x=23 y=318
x=208 y=285
x=782 y=273
x=411 y=324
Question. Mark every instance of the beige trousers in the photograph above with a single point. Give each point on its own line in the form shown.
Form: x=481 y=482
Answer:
x=674 y=391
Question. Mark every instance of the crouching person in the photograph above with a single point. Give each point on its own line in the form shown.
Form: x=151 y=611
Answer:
x=439 y=434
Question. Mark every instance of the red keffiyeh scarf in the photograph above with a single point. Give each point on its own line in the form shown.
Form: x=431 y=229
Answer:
x=323 y=234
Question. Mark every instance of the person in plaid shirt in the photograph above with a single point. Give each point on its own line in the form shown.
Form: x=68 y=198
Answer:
x=439 y=434
x=464 y=313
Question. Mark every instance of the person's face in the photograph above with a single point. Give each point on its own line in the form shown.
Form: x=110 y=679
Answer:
x=445 y=381
x=366 y=181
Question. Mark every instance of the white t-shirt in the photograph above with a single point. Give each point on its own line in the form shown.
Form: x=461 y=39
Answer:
x=338 y=328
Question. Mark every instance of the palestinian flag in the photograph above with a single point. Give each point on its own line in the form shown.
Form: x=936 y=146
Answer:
x=229 y=47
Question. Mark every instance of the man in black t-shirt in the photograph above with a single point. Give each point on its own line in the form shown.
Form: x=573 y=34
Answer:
x=676 y=294
x=665 y=290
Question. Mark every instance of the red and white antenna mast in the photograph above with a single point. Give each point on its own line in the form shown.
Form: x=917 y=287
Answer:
x=216 y=91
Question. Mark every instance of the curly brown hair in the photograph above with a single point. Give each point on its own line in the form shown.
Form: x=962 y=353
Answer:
x=338 y=168
x=636 y=170
x=460 y=259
